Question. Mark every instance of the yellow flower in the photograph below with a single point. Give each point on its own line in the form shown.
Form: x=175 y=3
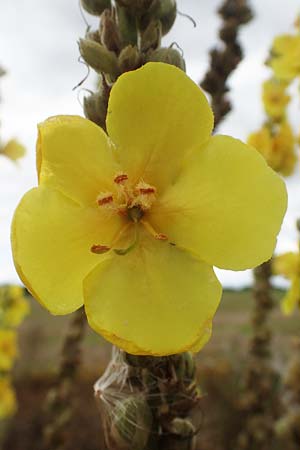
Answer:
x=8 y=349
x=276 y=146
x=285 y=57
x=14 y=307
x=13 y=150
x=8 y=403
x=131 y=225
x=262 y=141
x=275 y=98
x=288 y=265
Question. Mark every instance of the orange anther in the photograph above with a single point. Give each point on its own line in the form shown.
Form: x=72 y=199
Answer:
x=121 y=178
x=148 y=190
x=105 y=200
x=161 y=237
x=99 y=249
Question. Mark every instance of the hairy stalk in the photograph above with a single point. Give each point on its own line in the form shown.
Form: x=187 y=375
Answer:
x=151 y=409
x=58 y=409
x=259 y=402
x=224 y=60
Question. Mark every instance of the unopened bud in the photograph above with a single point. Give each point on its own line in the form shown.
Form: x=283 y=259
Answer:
x=99 y=58
x=167 y=55
x=127 y=26
x=138 y=6
x=109 y=33
x=96 y=7
x=129 y=59
x=166 y=12
x=151 y=37
x=131 y=425
x=95 y=107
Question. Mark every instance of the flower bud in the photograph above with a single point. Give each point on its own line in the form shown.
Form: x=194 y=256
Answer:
x=95 y=107
x=129 y=59
x=166 y=12
x=138 y=6
x=96 y=7
x=127 y=26
x=99 y=58
x=109 y=33
x=167 y=55
x=151 y=37
x=131 y=424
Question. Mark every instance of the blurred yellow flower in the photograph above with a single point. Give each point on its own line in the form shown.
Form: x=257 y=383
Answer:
x=13 y=150
x=276 y=146
x=285 y=57
x=275 y=98
x=288 y=265
x=8 y=349
x=8 y=404
x=131 y=224
x=13 y=306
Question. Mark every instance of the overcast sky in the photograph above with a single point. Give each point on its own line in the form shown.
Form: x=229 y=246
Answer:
x=38 y=49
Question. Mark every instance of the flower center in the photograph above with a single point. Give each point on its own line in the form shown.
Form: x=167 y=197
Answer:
x=131 y=202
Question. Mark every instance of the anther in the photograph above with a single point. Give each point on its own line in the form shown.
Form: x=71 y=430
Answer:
x=100 y=249
x=161 y=237
x=119 y=179
x=105 y=199
x=146 y=191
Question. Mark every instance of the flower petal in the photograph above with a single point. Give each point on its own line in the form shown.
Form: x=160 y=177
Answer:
x=226 y=206
x=156 y=114
x=74 y=156
x=51 y=241
x=156 y=300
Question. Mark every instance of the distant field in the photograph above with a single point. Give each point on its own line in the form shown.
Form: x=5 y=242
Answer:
x=41 y=336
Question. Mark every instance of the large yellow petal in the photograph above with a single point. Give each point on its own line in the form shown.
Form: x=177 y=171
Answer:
x=74 y=156
x=51 y=241
x=226 y=206
x=156 y=114
x=155 y=300
x=287 y=265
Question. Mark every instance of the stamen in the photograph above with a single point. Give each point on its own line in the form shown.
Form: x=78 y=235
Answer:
x=121 y=178
x=149 y=190
x=124 y=251
x=105 y=198
x=151 y=230
x=100 y=249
